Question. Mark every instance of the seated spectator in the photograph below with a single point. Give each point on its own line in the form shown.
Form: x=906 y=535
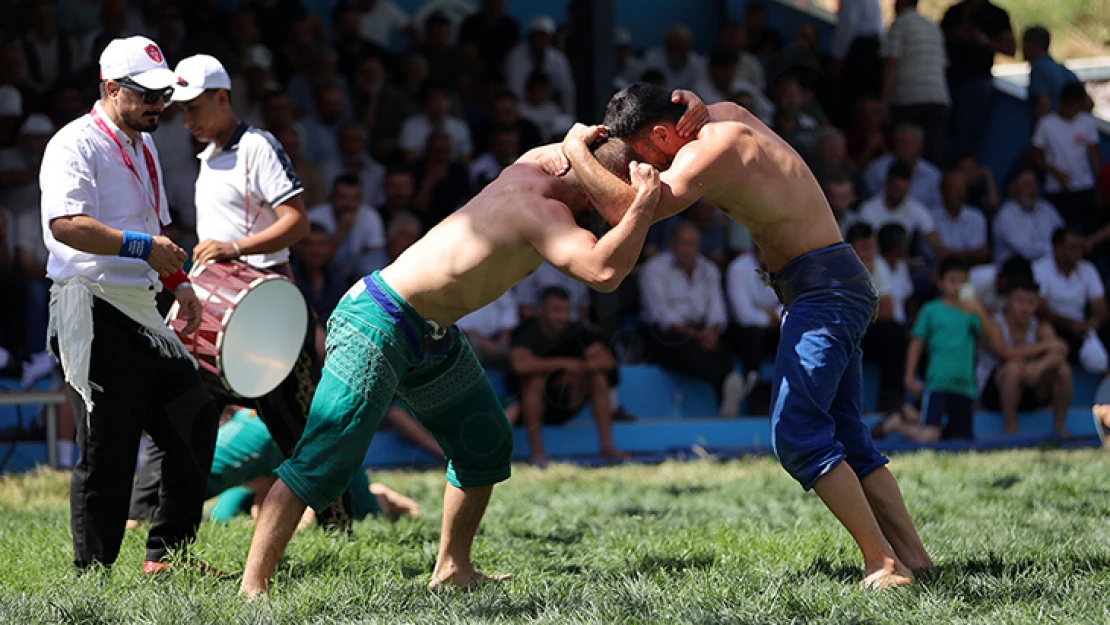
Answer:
x=748 y=69
x=251 y=84
x=504 y=112
x=1073 y=300
x=321 y=282
x=894 y=249
x=446 y=62
x=398 y=191
x=442 y=183
x=992 y=282
x=529 y=290
x=832 y=158
x=842 y=198
x=536 y=54
x=753 y=101
x=791 y=123
x=982 y=192
x=354 y=160
x=488 y=330
x=756 y=311
x=896 y=205
x=865 y=137
x=1065 y=147
x=417 y=130
x=355 y=230
x=1025 y=223
x=800 y=57
x=683 y=307
x=504 y=148
x=926 y=178
x=488 y=35
x=322 y=129
x=380 y=105
x=315 y=189
x=885 y=340
x=710 y=222
x=404 y=230
x=322 y=72
x=277 y=113
x=720 y=78
x=557 y=366
x=961 y=228
x=1047 y=76
x=763 y=39
x=682 y=67
x=1028 y=369
x=537 y=107
x=947 y=331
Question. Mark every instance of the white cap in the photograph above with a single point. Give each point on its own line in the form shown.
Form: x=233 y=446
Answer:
x=138 y=59
x=197 y=73
x=621 y=36
x=542 y=23
x=11 y=102
x=37 y=125
x=258 y=56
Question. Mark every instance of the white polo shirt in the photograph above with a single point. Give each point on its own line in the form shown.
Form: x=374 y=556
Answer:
x=1066 y=144
x=252 y=166
x=1067 y=296
x=83 y=173
x=910 y=214
x=967 y=231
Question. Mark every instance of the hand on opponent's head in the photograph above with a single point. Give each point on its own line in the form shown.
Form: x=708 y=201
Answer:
x=696 y=115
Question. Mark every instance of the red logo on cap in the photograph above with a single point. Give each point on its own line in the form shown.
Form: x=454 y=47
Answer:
x=154 y=53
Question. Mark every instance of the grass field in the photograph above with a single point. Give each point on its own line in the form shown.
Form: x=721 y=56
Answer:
x=1019 y=537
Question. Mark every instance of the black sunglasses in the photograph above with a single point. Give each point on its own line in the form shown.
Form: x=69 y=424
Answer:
x=150 y=96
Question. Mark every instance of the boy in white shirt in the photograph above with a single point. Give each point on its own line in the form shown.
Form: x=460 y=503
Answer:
x=1065 y=147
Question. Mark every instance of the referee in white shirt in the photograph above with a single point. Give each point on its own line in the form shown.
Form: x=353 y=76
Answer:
x=249 y=208
x=103 y=212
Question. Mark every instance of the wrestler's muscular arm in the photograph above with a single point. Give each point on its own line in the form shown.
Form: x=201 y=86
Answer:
x=600 y=263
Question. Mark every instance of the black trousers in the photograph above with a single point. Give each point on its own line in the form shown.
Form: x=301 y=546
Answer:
x=1078 y=208
x=885 y=343
x=683 y=355
x=284 y=410
x=135 y=389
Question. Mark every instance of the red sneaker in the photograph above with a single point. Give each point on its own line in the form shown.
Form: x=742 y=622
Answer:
x=151 y=567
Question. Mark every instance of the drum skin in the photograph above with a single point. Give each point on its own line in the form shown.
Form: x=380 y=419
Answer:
x=251 y=331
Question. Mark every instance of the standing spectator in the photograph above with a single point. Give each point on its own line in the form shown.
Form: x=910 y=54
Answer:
x=357 y=236
x=1073 y=300
x=974 y=31
x=894 y=249
x=558 y=365
x=398 y=191
x=1065 y=147
x=961 y=228
x=1025 y=223
x=1029 y=368
x=488 y=329
x=914 y=86
x=49 y=55
x=442 y=183
x=488 y=35
x=895 y=205
x=683 y=306
x=503 y=150
x=315 y=189
x=682 y=67
x=1047 y=76
x=537 y=107
x=538 y=55
x=355 y=160
x=416 y=130
x=382 y=18
x=321 y=129
x=379 y=105
x=505 y=113
x=947 y=331
x=756 y=311
x=321 y=282
x=908 y=143
x=855 y=49
x=885 y=340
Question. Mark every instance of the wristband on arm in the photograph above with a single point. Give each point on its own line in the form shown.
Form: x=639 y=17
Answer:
x=136 y=245
x=173 y=281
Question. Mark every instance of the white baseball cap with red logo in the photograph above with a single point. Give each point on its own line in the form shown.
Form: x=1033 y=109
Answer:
x=137 y=59
x=196 y=74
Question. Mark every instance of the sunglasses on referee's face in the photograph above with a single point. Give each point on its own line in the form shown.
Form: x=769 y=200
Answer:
x=149 y=96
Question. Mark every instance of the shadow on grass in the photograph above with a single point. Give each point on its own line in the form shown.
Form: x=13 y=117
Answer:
x=678 y=490
x=558 y=535
x=673 y=563
x=1006 y=482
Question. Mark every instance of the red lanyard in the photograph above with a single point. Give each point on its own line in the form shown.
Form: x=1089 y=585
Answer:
x=99 y=121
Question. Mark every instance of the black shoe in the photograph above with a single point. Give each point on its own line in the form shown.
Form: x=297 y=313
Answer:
x=622 y=415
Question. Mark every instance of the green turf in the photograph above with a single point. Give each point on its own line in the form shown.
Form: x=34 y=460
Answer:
x=1019 y=537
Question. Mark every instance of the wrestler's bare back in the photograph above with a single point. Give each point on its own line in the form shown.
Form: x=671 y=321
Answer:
x=479 y=252
x=757 y=179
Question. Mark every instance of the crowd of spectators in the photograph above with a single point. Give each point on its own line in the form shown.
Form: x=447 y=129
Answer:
x=393 y=123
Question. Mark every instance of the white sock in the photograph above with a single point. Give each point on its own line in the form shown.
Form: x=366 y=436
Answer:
x=614 y=400
x=5 y=358
x=65 y=454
